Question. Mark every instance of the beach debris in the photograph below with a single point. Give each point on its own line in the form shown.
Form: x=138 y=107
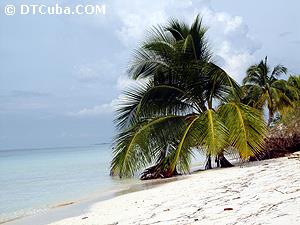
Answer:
x=279 y=191
x=63 y=204
x=154 y=214
x=228 y=209
x=83 y=218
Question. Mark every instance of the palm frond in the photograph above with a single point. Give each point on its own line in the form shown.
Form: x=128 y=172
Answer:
x=158 y=34
x=205 y=131
x=145 y=64
x=189 y=46
x=246 y=127
x=282 y=101
x=201 y=47
x=278 y=71
x=147 y=101
x=219 y=84
x=185 y=144
x=289 y=90
x=179 y=30
x=257 y=74
x=138 y=146
x=254 y=96
x=294 y=81
x=213 y=132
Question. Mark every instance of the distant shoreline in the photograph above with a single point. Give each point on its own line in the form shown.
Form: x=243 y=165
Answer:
x=53 y=147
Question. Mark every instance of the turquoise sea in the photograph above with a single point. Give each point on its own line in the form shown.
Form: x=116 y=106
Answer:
x=35 y=180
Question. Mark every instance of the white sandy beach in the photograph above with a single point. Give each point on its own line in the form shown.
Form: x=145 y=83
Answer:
x=266 y=192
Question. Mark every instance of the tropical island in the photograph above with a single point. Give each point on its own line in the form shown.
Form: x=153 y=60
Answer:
x=181 y=104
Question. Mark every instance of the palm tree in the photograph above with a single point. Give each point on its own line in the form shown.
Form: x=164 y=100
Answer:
x=263 y=88
x=294 y=81
x=292 y=119
x=182 y=103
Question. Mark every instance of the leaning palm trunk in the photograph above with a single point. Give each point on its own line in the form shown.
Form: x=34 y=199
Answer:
x=157 y=171
x=162 y=168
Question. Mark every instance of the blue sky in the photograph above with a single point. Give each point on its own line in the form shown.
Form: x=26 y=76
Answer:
x=60 y=76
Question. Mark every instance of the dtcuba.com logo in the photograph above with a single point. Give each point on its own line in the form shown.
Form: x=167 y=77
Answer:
x=56 y=9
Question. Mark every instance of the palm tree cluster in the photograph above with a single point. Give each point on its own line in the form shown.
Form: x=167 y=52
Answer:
x=183 y=103
x=284 y=134
x=263 y=87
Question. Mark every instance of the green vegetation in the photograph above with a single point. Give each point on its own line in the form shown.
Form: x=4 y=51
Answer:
x=263 y=88
x=284 y=135
x=183 y=102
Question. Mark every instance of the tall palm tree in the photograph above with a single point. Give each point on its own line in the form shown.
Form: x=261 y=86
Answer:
x=264 y=88
x=182 y=103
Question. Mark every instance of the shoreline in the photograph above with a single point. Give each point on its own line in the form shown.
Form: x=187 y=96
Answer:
x=70 y=208
x=264 y=192
x=108 y=210
x=51 y=212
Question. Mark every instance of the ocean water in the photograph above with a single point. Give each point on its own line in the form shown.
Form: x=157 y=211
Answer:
x=34 y=180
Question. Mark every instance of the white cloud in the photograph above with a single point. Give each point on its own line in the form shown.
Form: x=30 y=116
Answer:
x=228 y=34
x=124 y=82
x=87 y=74
x=231 y=41
x=102 y=70
x=136 y=17
x=28 y=94
x=97 y=110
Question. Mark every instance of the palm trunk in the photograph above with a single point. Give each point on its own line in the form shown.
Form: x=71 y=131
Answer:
x=208 y=162
x=222 y=161
x=160 y=170
x=157 y=172
x=217 y=161
x=270 y=107
x=270 y=120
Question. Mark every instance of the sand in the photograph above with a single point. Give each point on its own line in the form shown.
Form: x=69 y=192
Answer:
x=266 y=192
